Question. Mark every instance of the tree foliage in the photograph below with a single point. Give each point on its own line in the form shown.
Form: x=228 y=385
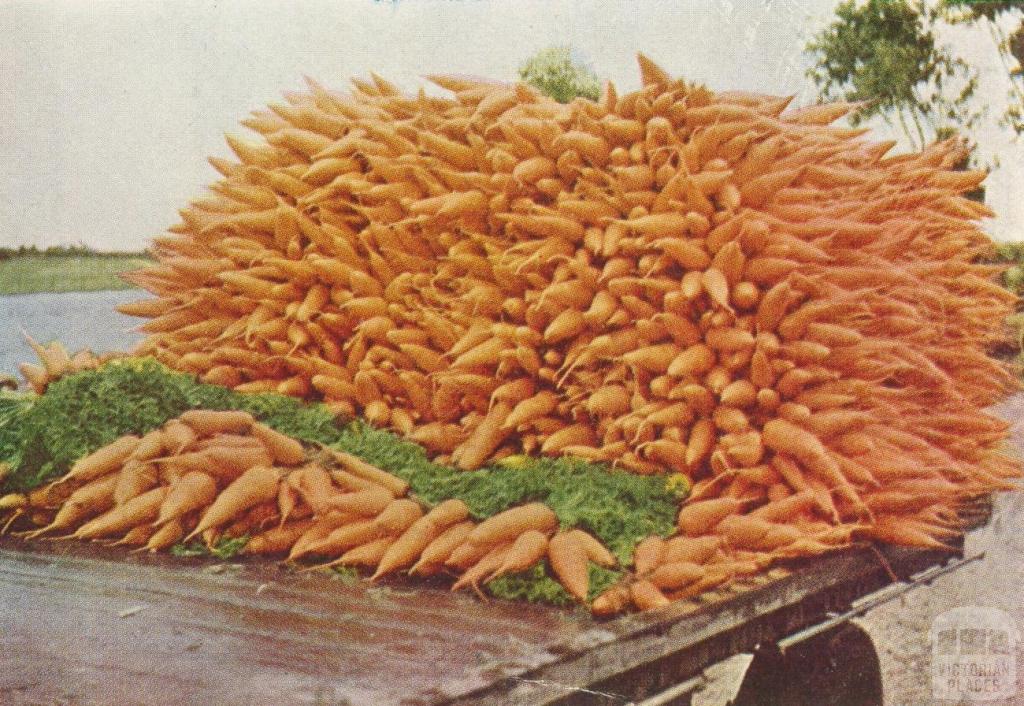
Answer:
x=884 y=52
x=553 y=72
x=1011 y=45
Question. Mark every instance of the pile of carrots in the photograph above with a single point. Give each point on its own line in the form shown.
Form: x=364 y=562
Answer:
x=219 y=475
x=668 y=280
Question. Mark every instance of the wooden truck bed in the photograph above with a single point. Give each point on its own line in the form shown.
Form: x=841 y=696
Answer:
x=90 y=625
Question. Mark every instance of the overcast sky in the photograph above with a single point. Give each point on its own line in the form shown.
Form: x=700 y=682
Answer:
x=109 y=108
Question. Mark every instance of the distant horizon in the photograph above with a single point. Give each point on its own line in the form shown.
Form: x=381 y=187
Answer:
x=112 y=108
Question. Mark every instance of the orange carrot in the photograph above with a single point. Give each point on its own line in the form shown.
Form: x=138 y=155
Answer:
x=675 y=575
x=91 y=499
x=284 y=449
x=648 y=554
x=166 y=536
x=255 y=486
x=483 y=568
x=135 y=478
x=507 y=525
x=365 y=503
x=398 y=516
x=138 y=510
x=647 y=596
x=193 y=491
x=696 y=550
x=528 y=548
x=103 y=460
x=700 y=517
x=357 y=466
x=612 y=601
x=207 y=422
x=440 y=549
x=596 y=552
x=568 y=558
x=368 y=554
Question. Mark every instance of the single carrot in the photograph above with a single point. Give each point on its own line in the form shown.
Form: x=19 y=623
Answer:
x=440 y=549
x=648 y=554
x=357 y=466
x=150 y=446
x=647 y=596
x=596 y=552
x=696 y=550
x=284 y=449
x=701 y=517
x=315 y=486
x=674 y=575
x=193 y=491
x=141 y=509
x=528 y=548
x=368 y=554
x=166 y=536
x=568 y=558
x=257 y=485
x=398 y=516
x=612 y=601
x=103 y=460
x=365 y=503
x=135 y=478
x=177 y=436
x=208 y=422
x=509 y=524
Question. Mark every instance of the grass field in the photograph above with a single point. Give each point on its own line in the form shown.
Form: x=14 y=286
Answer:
x=38 y=272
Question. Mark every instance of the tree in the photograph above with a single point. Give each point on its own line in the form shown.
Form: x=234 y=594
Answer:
x=1011 y=46
x=884 y=52
x=553 y=72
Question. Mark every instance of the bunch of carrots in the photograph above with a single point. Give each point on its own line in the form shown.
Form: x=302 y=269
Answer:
x=55 y=362
x=667 y=280
x=220 y=475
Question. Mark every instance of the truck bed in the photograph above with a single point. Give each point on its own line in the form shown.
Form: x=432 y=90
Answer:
x=82 y=624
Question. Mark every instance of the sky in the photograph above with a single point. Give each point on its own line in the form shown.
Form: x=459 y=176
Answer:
x=109 y=108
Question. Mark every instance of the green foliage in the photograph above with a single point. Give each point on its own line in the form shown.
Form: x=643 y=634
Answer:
x=884 y=52
x=553 y=72
x=13 y=409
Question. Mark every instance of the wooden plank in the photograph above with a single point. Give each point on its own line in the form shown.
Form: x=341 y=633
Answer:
x=96 y=625
x=87 y=626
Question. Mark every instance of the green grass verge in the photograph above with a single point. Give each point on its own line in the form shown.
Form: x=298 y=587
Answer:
x=40 y=437
x=31 y=273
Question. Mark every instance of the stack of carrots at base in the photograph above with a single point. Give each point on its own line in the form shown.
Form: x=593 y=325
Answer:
x=221 y=475
x=670 y=280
